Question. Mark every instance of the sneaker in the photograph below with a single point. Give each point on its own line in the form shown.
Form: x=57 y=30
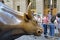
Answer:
x=46 y=36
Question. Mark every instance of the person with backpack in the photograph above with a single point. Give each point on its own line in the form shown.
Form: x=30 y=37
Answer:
x=49 y=23
x=58 y=24
x=52 y=26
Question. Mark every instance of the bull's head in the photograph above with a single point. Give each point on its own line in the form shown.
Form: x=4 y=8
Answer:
x=30 y=25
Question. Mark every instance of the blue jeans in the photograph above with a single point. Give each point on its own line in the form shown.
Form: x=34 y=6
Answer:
x=52 y=27
x=45 y=29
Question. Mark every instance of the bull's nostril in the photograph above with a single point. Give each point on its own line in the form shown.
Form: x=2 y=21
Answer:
x=38 y=31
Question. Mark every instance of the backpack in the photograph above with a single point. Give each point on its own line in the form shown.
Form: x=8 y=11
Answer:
x=53 y=19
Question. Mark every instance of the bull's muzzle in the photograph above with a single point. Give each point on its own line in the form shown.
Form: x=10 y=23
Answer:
x=39 y=31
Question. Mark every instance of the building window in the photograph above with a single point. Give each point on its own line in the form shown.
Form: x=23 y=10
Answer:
x=54 y=3
x=18 y=8
x=46 y=3
x=33 y=6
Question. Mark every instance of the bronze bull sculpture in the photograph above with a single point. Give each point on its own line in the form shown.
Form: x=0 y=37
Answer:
x=26 y=26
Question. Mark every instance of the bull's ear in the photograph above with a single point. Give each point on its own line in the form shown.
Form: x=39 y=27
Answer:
x=30 y=14
x=26 y=18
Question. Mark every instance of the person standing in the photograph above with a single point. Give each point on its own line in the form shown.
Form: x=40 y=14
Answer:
x=49 y=23
x=39 y=20
x=52 y=27
x=58 y=25
x=45 y=25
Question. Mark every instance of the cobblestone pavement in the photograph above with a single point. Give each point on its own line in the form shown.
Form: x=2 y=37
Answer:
x=32 y=37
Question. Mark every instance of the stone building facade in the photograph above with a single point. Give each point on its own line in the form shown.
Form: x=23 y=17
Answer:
x=21 y=5
x=18 y=5
x=38 y=5
x=58 y=6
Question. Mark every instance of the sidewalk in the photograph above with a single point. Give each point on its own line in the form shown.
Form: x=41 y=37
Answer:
x=32 y=37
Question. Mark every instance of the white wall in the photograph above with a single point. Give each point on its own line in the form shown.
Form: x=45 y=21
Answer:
x=58 y=6
x=10 y=3
x=23 y=5
x=15 y=4
x=39 y=6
